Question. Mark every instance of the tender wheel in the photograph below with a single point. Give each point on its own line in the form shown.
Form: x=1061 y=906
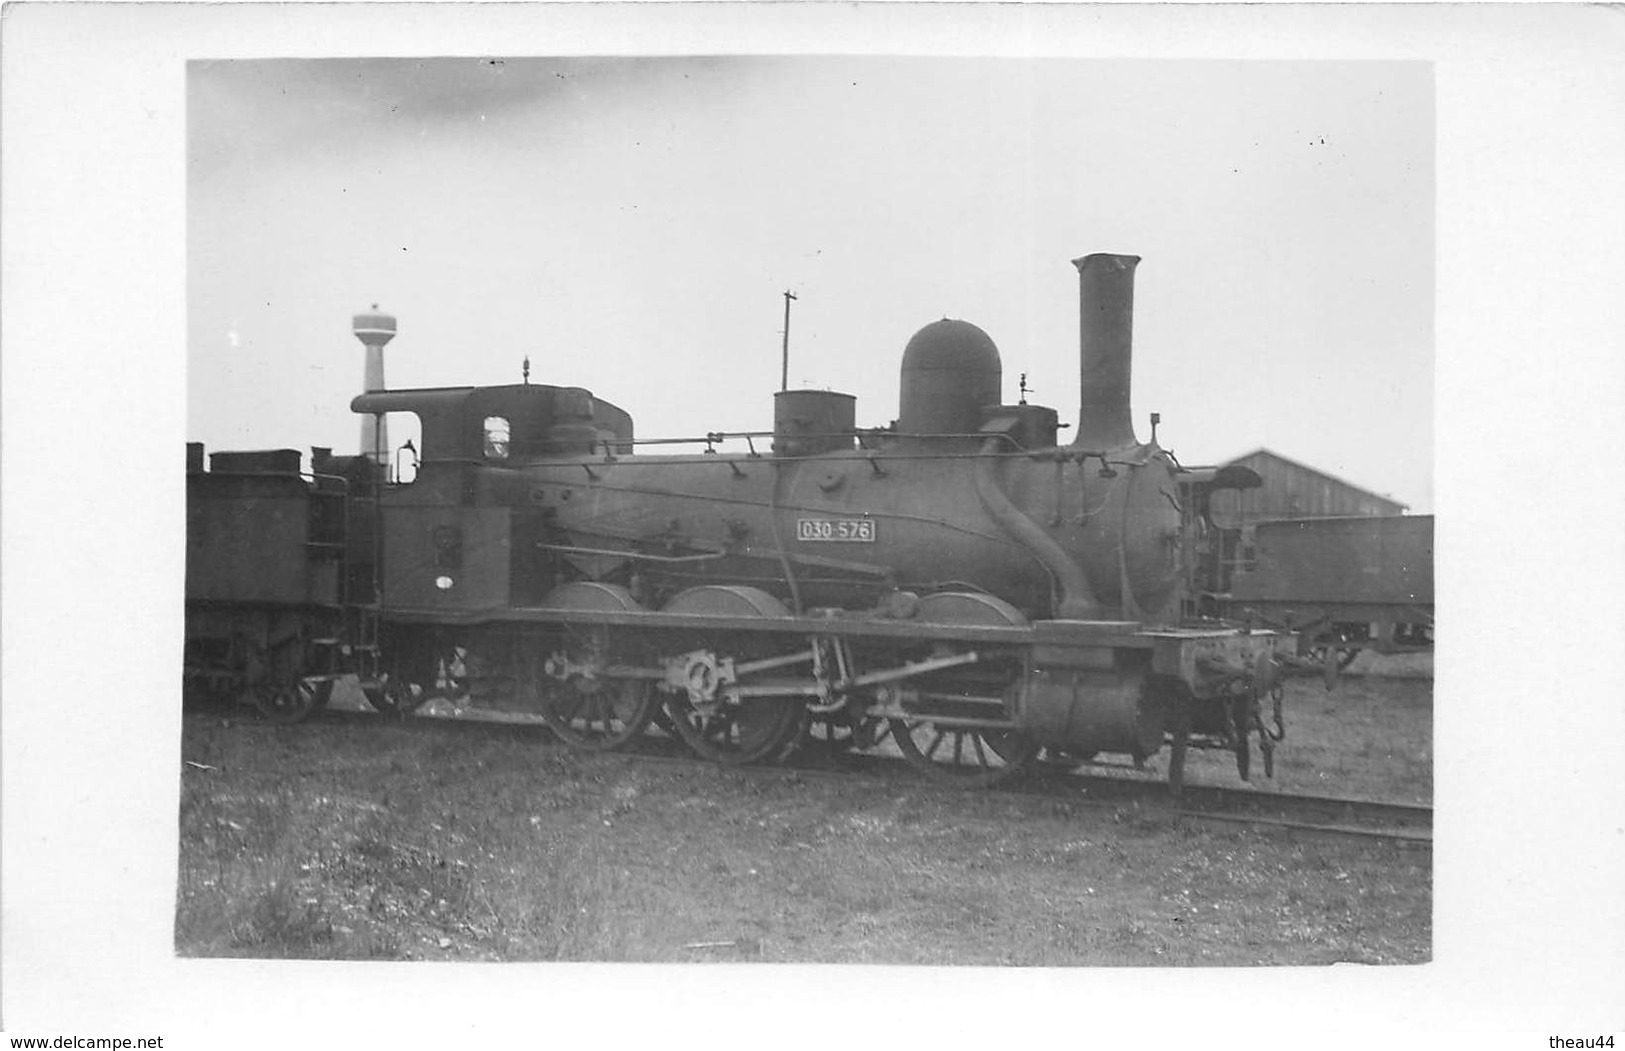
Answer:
x=960 y=755
x=395 y=696
x=714 y=727
x=290 y=702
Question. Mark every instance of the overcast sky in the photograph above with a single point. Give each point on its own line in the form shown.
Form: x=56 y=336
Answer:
x=630 y=225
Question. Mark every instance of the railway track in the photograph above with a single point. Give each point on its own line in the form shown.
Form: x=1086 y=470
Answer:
x=1379 y=819
x=1109 y=785
x=1374 y=818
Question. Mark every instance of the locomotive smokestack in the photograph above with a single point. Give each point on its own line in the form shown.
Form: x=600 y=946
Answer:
x=374 y=331
x=1106 y=349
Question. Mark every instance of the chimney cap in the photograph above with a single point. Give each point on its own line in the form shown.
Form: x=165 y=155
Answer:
x=1122 y=262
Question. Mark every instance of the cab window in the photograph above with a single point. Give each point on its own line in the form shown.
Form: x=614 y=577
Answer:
x=496 y=437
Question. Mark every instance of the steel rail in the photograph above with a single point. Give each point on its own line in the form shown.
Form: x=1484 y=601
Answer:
x=1316 y=814
x=1385 y=819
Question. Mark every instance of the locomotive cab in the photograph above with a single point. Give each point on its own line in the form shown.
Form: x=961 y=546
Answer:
x=462 y=536
x=505 y=425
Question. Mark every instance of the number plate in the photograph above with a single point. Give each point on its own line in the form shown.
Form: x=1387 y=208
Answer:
x=836 y=530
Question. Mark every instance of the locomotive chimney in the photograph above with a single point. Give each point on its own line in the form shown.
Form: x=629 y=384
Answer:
x=1106 y=349
x=374 y=331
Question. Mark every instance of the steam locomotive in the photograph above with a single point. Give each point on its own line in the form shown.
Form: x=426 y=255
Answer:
x=958 y=582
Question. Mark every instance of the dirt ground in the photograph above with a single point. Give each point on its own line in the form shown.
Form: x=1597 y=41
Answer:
x=356 y=838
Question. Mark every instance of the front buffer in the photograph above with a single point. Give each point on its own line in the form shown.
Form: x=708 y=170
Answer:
x=1118 y=687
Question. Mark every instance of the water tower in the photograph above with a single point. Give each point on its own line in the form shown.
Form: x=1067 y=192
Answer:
x=374 y=330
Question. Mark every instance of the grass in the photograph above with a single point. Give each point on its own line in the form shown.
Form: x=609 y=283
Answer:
x=364 y=839
x=1370 y=737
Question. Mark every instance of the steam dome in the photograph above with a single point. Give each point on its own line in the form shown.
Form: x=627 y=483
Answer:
x=951 y=371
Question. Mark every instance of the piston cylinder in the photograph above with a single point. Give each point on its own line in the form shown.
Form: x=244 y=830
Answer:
x=1088 y=711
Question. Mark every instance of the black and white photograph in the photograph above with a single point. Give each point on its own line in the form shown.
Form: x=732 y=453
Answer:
x=877 y=506
x=918 y=520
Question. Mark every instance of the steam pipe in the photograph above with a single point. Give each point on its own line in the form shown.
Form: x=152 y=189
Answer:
x=1076 y=601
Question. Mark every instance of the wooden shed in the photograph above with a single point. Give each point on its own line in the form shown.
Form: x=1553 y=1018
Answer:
x=1295 y=490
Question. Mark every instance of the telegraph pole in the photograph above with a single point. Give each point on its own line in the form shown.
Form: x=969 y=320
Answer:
x=784 y=373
